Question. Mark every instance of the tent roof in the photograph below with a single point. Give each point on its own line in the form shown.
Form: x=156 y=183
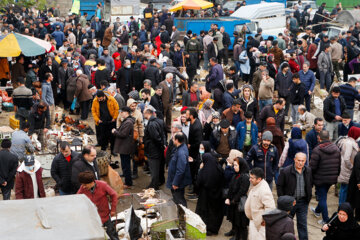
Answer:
x=348 y=17
x=69 y=217
x=192 y=4
x=261 y=10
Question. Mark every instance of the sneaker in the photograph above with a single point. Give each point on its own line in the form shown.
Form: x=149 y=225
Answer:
x=192 y=198
x=321 y=222
x=314 y=212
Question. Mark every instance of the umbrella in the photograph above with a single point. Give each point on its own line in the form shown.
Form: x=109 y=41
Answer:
x=192 y=4
x=13 y=44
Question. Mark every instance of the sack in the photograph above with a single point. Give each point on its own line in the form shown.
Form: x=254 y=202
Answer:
x=148 y=15
x=73 y=105
x=103 y=161
x=241 y=206
x=115 y=181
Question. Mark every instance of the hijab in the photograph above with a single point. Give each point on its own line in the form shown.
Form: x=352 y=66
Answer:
x=351 y=222
x=354 y=133
x=212 y=173
x=206 y=109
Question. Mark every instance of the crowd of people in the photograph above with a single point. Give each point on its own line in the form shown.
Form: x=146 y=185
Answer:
x=226 y=150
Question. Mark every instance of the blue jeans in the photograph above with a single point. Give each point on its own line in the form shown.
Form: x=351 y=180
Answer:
x=237 y=66
x=343 y=193
x=301 y=210
x=126 y=168
x=321 y=192
x=263 y=103
x=307 y=98
x=325 y=79
x=294 y=113
x=206 y=62
x=62 y=193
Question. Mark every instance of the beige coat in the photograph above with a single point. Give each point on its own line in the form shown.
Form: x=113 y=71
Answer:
x=138 y=125
x=260 y=199
x=349 y=148
x=306 y=121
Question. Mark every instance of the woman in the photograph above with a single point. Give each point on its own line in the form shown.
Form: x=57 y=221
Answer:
x=353 y=196
x=210 y=184
x=244 y=59
x=239 y=187
x=206 y=111
x=211 y=123
x=292 y=147
x=342 y=225
x=248 y=101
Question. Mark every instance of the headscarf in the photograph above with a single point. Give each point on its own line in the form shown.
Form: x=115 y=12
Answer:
x=270 y=121
x=207 y=146
x=351 y=222
x=243 y=166
x=296 y=133
x=211 y=175
x=354 y=133
x=206 y=109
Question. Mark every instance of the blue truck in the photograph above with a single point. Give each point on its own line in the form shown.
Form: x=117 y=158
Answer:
x=89 y=6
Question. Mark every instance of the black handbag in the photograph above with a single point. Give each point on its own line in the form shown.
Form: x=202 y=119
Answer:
x=242 y=61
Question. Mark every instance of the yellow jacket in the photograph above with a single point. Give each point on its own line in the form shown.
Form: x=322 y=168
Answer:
x=112 y=106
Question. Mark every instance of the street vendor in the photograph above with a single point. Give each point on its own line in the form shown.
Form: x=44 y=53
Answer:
x=21 y=142
x=39 y=120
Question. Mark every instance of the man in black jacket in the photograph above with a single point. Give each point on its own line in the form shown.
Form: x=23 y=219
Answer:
x=61 y=169
x=8 y=167
x=157 y=103
x=297 y=94
x=85 y=162
x=276 y=111
x=39 y=120
x=212 y=49
x=296 y=180
x=334 y=107
x=226 y=43
x=152 y=73
x=124 y=79
x=154 y=144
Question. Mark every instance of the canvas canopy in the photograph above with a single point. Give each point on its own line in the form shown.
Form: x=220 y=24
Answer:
x=261 y=10
x=71 y=217
x=348 y=17
x=192 y=5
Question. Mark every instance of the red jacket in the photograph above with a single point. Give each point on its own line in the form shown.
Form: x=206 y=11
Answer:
x=294 y=67
x=24 y=186
x=99 y=198
x=311 y=51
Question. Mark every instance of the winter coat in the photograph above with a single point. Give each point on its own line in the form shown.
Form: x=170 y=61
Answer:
x=339 y=230
x=152 y=73
x=107 y=37
x=211 y=50
x=268 y=111
x=292 y=147
x=283 y=83
x=348 y=149
x=268 y=162
x=241 y=130
x=297 y=94
x=350 y=94
x=325 y=163
x=157 y=103
x=286 y=184
x=308 y=79
x=24 y=185
x=100 y=198
x=82 y=92
x=179 y=169
x=61 y=171
x=216 y=136
x=324 y=62
x=353 y=196
x=329 y=108
x=112 y=105
x=228 y=114
x=30 y=78
x=8 y=167
x=260 y=199
x=124 y=80
x=81 y=165
x=277 y=223
x=249 y=106
x=244 y=67
x=186 y=98
x=102 y=73
x=343 y=130
x=195 y=138
x=167 y=94
x=37 y=121
x=124 y=137
x=70 y=88
x=306 y=121
x=64 y=75
x=216 y=74
x=154 y=139
x=278 y=55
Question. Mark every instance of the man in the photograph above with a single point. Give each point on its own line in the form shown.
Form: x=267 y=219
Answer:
x=307 y=77
x=65 y=72
x=229 y=95
x=193 y=47
x=22 y=98
x=99 y=193
x=17 y=70
x=297 y=93
x=152 y=73
x=325 y=68
x=276 y=111
x=194 y=139
x=216 y=74
x=306 y=119
x=223 y=138
x=47 y=95
x=8 y=167
x=20 y=142
x=157 y=103
x=167 y=98
x=277 y=221
x=124 y=143
x=345 y=124
x=296 y=180
x=257 y=77
x=278 y=53
x=85 y=162
x=334 y=107
x=96 y=27
x=124 y=79
x=59 y=36
x=283 y=83
x=105 y=111
x=83 y=20
x=179 y=175
x=336 y=55
x=325 y=166
x=61 y=169
x=39 y=120
x=264 y=150
x=146 y=97
x=191 y=97
x=266 y=90
x=234 y=114
x=212 y=49
x=82 y=94
x=247 y=133
x=312 y=135
x=349 y=93
x=259 y=200
x=154 y=144
x=207 y=40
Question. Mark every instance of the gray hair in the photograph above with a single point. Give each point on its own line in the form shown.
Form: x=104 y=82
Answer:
x=127 y=61
x=112 y=89
x=300 y=154
x=302 y=108
x=147 y=81
x=79 y=72
x=177 y=126
x=168 y=75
